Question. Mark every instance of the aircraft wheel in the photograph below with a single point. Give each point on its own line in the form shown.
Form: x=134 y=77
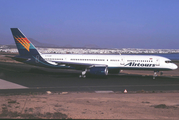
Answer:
x=161 y=73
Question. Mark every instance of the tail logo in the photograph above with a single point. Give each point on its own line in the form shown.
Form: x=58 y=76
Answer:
x=24 y=42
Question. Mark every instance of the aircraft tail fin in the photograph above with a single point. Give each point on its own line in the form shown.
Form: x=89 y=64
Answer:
x=24 y=46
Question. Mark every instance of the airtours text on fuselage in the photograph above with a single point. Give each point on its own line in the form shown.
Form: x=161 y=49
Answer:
x=140 y=64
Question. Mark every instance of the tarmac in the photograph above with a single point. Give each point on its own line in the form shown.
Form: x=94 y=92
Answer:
x=22 y=78
x=9 y=85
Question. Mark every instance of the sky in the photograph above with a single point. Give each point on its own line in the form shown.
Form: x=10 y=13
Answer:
x=150 y=24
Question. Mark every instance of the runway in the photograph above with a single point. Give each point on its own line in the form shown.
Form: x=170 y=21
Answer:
x=34 y=79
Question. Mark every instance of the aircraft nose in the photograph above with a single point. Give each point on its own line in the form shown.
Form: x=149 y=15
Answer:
x=174 y=66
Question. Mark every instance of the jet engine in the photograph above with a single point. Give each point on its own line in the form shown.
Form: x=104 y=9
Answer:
x=98 y=70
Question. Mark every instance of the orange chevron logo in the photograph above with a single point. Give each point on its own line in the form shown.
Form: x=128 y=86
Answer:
x=24 y=42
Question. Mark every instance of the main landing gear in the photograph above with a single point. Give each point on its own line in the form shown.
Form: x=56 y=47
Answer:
x=83 y=74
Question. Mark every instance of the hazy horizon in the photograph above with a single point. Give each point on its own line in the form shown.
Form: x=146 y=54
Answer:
x=119 y=24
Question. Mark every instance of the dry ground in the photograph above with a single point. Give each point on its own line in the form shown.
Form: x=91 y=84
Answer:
x=91 y=106
x=7 y=58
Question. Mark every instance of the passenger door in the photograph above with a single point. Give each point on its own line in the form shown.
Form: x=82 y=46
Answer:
x=122 y=62
x=157 y=62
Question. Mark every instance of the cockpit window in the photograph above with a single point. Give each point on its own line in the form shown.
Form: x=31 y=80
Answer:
x=168 y=61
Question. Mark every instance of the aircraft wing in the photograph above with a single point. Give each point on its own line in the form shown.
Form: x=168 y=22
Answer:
x=75 y=64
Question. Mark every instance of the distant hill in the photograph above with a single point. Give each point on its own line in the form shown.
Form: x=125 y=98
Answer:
x=47 y=45
x=35 y=43
x=67 y=46
x=39 y=44
x=91 y=46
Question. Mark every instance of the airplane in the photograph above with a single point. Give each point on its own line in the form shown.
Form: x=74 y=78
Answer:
x=100 y=65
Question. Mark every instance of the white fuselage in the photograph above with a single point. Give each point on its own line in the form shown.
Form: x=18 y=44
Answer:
x=148 y=62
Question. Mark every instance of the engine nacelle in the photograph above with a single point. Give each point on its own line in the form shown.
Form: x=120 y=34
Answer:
x=98 y=70
x=114 y=71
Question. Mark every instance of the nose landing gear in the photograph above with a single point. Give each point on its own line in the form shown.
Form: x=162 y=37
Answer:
x=155 y=74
